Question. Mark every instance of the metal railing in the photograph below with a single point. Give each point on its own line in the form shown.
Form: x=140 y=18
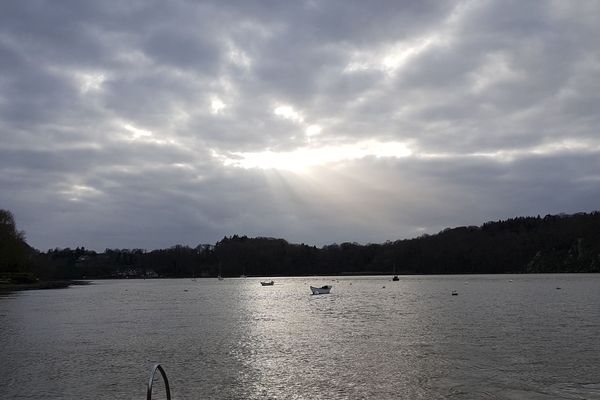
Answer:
x=151 y=381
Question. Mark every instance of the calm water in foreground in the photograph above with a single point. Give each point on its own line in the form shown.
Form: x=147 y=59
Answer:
x=502 y=337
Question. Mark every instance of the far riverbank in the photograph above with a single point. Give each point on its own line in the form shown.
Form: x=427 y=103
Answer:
x=39 y=285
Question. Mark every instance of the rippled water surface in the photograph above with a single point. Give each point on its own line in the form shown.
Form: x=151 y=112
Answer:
x=502 y=337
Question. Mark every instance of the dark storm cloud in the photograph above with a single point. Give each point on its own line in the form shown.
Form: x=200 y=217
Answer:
x=121 y=122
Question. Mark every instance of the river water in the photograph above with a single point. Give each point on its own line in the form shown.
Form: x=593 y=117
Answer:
x=501 y=337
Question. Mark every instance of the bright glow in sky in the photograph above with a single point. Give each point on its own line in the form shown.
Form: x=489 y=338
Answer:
x=90 y=82
x=313 y=130
x=302 y=159
x=137 y=133
x=80 y=192
x=216 y=105
x=288 y=112
x=391 y=57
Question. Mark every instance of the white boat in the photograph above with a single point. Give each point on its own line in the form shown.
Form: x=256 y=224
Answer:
x=321 y=290
x=270 y=283
x=220 y=277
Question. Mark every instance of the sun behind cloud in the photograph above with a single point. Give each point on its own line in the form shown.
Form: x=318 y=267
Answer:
x=302 y=159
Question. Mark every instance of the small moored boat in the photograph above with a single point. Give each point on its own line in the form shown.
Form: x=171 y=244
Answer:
x=270 y=283
x=321 y=290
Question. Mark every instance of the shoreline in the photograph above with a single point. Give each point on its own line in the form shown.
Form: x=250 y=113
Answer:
x=40 y=285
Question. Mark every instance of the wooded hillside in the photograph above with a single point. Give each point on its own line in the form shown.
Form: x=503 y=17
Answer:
x=554 y=243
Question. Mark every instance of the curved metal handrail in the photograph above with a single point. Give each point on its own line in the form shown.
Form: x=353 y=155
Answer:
x=151 y=381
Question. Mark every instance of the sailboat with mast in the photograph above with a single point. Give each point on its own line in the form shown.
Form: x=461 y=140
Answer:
x=220 y=277
x=395 y=278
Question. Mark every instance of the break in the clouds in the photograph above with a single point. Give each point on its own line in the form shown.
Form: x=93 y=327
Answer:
x=151 y=123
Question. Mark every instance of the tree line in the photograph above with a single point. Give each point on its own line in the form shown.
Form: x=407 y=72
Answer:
x=554 y=243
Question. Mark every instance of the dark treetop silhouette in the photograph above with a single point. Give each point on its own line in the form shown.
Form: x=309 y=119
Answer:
x=554 y=243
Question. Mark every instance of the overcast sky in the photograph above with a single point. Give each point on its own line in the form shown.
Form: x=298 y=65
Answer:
x=152 y=123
